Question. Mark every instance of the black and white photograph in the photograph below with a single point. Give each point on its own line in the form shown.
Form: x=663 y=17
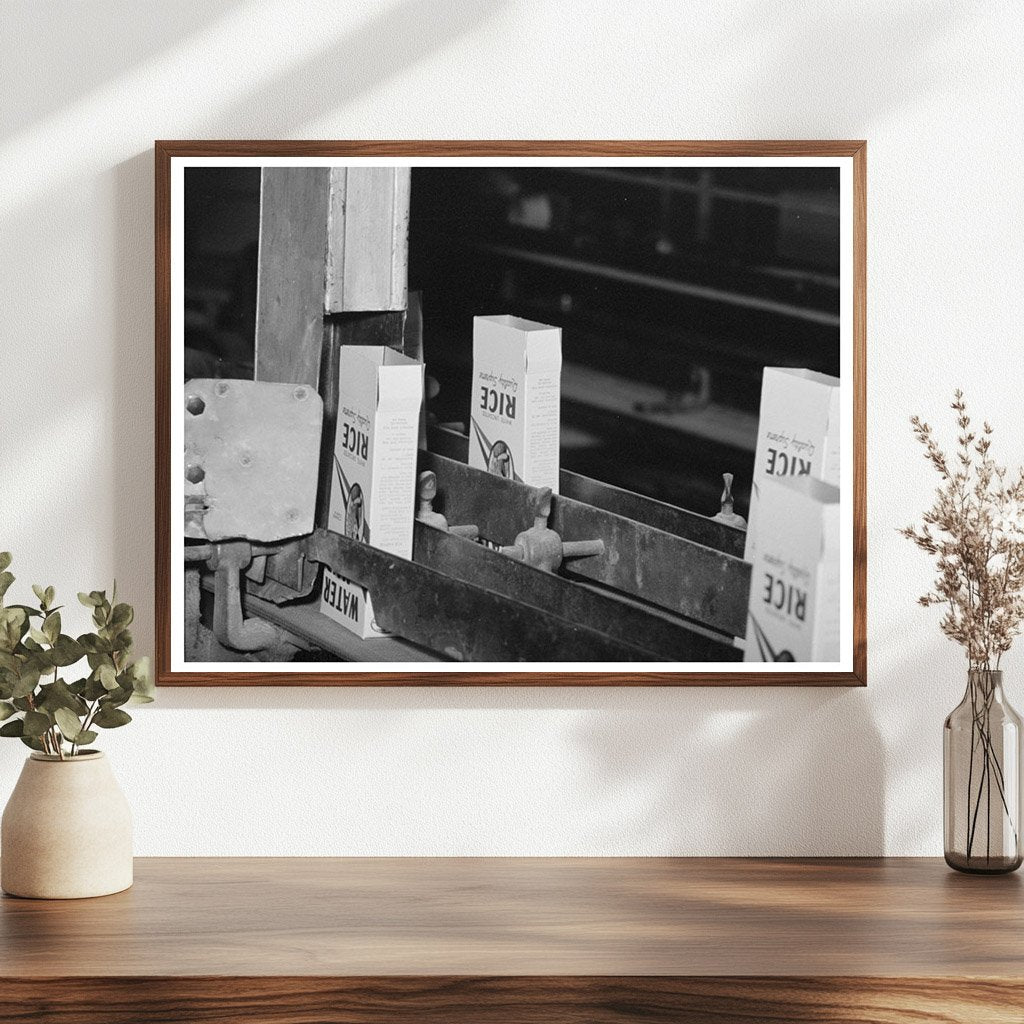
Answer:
x=493 y=414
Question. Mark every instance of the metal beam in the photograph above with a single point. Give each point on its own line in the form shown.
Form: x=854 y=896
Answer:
x=691 y=580
x=622 y=502
x=660 y=636
x=458 y=619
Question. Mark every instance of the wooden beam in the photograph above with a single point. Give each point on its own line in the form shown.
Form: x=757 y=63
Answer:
x=368 y=240
x=294 y=210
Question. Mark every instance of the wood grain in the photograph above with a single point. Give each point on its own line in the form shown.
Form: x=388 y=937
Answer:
x=499 y=916
x=871 y=941
x=368 y=244
x=598 y=1000
x=294 y=206
x=165 y=150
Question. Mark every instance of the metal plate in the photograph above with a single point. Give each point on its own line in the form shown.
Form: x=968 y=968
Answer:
x=252 y=452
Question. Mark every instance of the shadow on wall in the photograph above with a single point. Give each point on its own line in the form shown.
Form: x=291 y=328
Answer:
x=394 y=39
x=852 y=42
x=50 y=67
x=738 y=771
x=693 y=771
x=131 y=386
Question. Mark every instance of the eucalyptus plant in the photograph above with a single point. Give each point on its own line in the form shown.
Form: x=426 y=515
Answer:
x=37 y=704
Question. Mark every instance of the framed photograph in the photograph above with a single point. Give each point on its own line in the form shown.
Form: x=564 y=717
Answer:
x=493 y=413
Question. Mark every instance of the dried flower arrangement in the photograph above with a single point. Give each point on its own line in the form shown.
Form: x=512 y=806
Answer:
x=976 y=530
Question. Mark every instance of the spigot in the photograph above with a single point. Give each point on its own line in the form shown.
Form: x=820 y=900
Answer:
x=426 y=492
x=229 y=560
x=542 y=547
x=727 y=515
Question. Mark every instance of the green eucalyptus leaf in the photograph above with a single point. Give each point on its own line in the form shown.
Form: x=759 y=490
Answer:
x=115 y=698
x=28 y=610
x=38 y=636
x=89 y=600
x=125 y=640
x=36 y=723
x=22 y=703
x=27 y=681
x=40 y=593
x=68 y=722
x=5 y=560
x=86 y=736
x=66 y=651
x=13 y=626
x=6 y=579
x=51 y=626
x=6 y=710
x=94 y=689
x=31 y=741
x=110 y=717
x=59 y=695
x=9 y=663
x=16 y=727
x=107 y=676
x=122 y=615
x=142 y=678
x=94 y=645
x=49 y=595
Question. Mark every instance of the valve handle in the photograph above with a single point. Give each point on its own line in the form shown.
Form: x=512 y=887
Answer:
x=543 y=507
x=426 y=490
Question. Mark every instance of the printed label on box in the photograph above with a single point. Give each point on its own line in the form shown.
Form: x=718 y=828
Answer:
x=348 y=604
x=797 y=435
x=794 y=588
x=373 y=488
x=517 y=368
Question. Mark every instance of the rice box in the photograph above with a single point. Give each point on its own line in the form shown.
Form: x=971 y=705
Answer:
x=794 y=584
x=517 y=368
x=373 y=486
x=797 y=436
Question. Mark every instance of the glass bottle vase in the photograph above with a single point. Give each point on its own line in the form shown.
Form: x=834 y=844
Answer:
x=981 y=771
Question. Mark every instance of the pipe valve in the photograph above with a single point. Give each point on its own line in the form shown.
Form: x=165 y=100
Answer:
x=542 y=547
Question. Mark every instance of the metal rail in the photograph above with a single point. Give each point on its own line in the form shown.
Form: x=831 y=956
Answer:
x=662 y=516
x=688 y=579
x=461 y=620
x=660 y=636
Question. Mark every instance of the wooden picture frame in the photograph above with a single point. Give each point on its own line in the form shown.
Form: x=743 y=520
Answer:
x=170 y=159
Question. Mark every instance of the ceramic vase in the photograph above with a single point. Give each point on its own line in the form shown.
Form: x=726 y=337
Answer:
x=66 y=831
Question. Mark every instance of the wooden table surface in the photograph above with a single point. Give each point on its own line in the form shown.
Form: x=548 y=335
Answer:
x=720 y=940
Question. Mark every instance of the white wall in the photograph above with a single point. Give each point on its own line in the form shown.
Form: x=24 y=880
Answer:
x=86 y=87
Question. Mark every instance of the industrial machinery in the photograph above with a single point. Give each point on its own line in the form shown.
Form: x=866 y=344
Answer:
x=500 y=571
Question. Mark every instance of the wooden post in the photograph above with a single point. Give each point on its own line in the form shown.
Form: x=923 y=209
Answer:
x=333 y=270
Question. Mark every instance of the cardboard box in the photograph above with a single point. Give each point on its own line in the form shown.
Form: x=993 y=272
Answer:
x=794 y=584
x=517 y=368
x=373 y=488
x=797 y=435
